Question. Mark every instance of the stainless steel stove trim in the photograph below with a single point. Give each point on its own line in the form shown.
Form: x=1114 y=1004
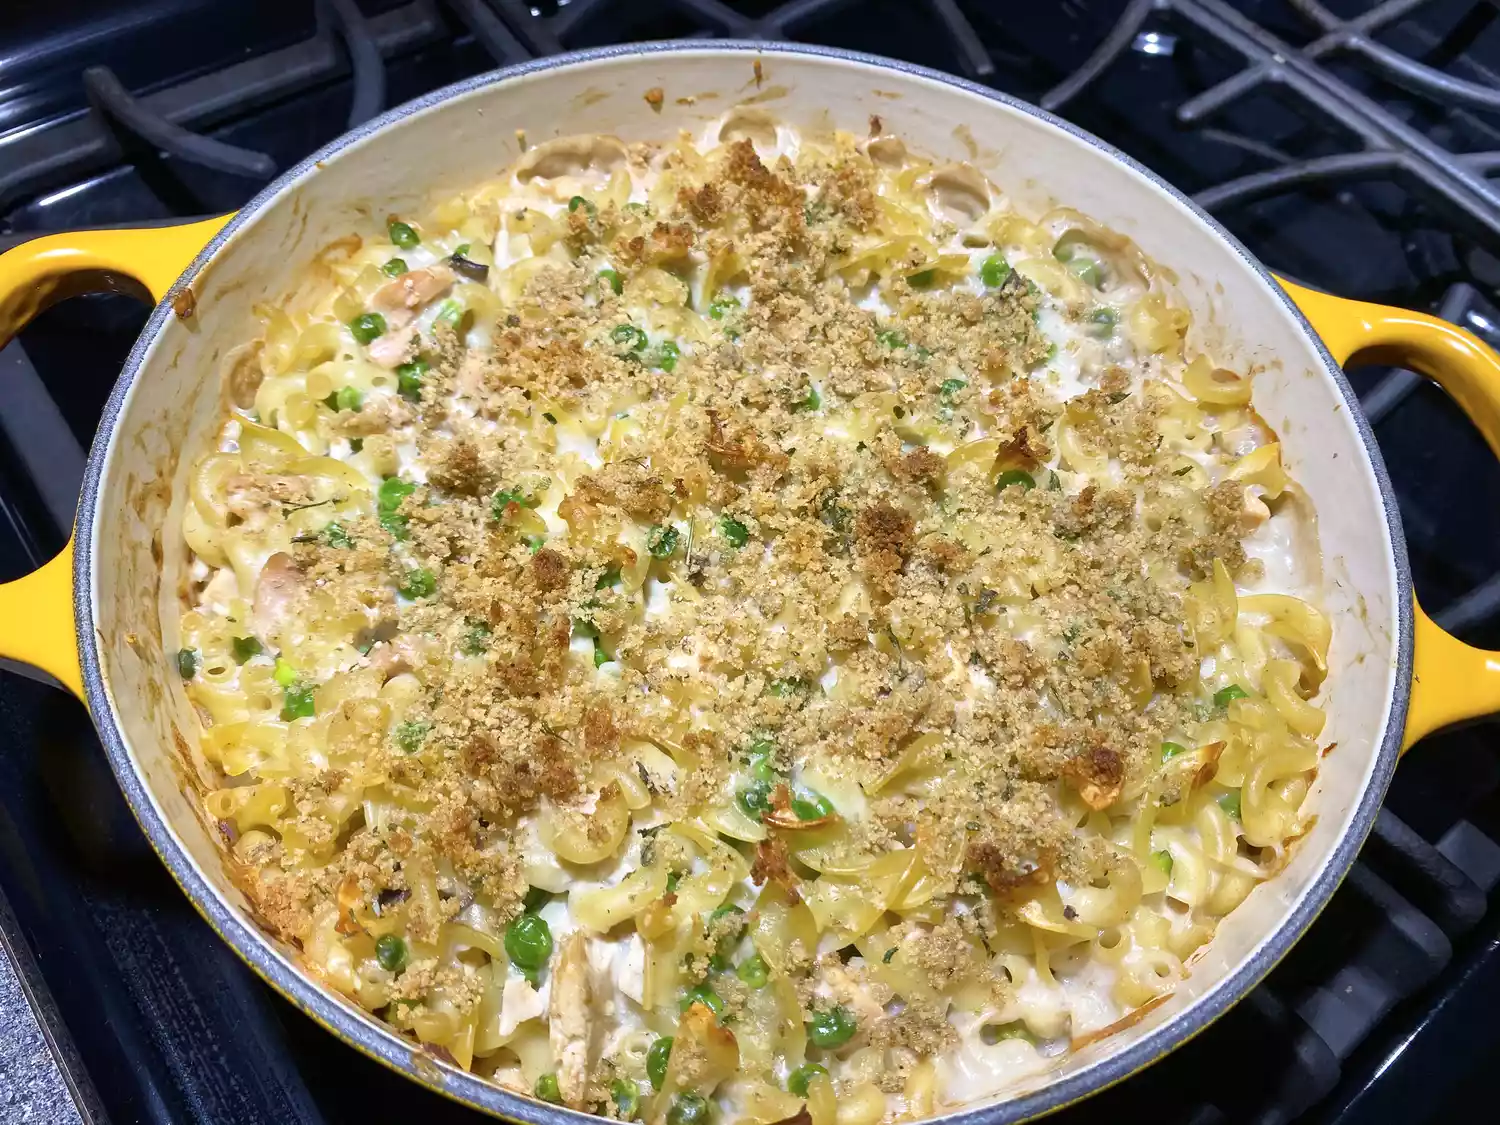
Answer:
x=385 y=1045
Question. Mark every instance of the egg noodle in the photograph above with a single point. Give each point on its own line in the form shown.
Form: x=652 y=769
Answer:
x=747 y=626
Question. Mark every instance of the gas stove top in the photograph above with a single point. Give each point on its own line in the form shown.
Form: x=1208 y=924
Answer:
x=1348 y=144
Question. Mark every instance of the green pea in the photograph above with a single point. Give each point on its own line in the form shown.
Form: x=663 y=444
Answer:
x=722 y=304
x=630 y=336
x=891 y=338
x=601 y=657
x=657 y=1057
x=702 y=994
x=808 y=402
x=665 y=356
x=297 y=703
x=1225 y=696
x=284 y=674
x=579 y=201
x=755 y=799
x=418 y=583
x=1170 y=750
x=1230 y=803
x=409 y=379
x=1162 y=861
x=613 y=278
x=187 y=663
x=1103 y=321
x=809 y=805
x=394 y=268
x=948 y=392
x=993 y=271
x=402 y=234
x=753 y=971
x=528 y=943
x=1015 y=476
x=411 y=734
x=922 y=279
x=367 y=326
x=661 y=541
x=393 y=490
x=476 y=638
x=1086 y=270
x=798 y=1081
x=390 y=951
x=244 y=648
x=761 y=753
x=547 y=1090
x=832 y=1027
x=346 y=398
x=689 y=1109
x=734 y=531
x=992 y=1033
x=627 y=1098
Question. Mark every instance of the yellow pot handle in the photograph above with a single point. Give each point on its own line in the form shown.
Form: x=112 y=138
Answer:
x=1451 y=681
x=36 y=612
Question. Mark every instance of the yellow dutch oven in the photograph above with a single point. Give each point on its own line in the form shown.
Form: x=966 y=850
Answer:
x=102 y=616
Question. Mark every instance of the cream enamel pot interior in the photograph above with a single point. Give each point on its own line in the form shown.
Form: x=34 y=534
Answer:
x=1394 y=676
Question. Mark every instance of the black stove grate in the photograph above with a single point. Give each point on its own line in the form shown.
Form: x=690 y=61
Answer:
x=1350 y=145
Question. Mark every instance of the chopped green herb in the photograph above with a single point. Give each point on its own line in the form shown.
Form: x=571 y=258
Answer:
x=610 y=577
x=1182 y=472
x=502 y=500
x=993 y=271
x=367 y=326
x=579 y=201
x=402 y=234
x=451 y=313
x=536 y=898
x=390 y=951
x=734 y=531
x=547 y=414
x=356 y=444
x=661 y=540
x=891 y=338
x=922 y=279
x=187 y=663
x=889 y=953
x=808 y=402
x=722 y=304
x=582 y=627
x=657 y=1057
x=791 y=685
x=1054 y=482
x=1225 y=696
x=334 y=535
x=534 y=542
x=674 y=879
x=394 y=268
x=244 y=648
x=418 y=583
x=948 y=392
x=1015 y=476
x=297 y=703
x=601 y=657
x=755 y=799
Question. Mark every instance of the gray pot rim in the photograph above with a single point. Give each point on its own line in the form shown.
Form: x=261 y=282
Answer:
x=383 y=1044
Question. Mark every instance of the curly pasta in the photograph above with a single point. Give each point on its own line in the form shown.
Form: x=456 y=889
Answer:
x=745 y=623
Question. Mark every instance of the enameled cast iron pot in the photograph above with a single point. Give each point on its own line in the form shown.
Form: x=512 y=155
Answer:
x=102 y=617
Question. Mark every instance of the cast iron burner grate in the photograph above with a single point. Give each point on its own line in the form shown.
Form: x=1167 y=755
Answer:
x=1350 y=145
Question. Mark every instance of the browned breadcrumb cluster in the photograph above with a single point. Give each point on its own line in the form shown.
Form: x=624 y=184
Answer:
x=1052 y=594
